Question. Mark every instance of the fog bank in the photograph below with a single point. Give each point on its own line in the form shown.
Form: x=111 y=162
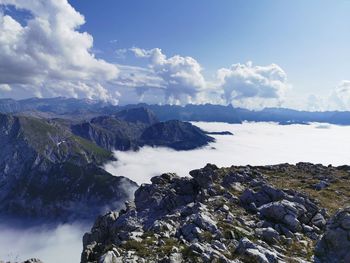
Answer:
x=252 y=143
x=57 y=244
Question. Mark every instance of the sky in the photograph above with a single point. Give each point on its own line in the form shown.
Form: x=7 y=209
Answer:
x=251 y=54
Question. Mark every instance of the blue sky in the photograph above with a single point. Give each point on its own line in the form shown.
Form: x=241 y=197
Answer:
x=249 y=53
x=310 y=39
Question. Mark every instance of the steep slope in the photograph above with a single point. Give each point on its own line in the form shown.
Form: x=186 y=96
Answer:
x=137 y=127
x=235 y=214
x=175 y=134
x=110 y=132
x=45 y=170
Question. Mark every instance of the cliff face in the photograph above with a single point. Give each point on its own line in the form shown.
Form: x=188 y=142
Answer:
x=131 y=129
x=237 y=214
x=45 y=170
x=175 y=134
x=110 y=133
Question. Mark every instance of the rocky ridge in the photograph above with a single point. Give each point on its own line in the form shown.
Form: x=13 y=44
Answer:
x=51 y=167
x=46 y=171
x=235 y=214
x=133 y=128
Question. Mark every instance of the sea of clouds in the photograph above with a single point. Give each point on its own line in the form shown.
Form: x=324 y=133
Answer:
x=252 y=143
x=51 y=244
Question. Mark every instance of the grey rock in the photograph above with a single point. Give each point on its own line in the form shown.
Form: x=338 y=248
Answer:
x=321 y=185
x=334 y=245
x=256 y=253
x=318 y=220
x=269 y=234
x=204 y=221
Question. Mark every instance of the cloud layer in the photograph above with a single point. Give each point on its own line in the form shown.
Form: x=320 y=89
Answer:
x=252 y=143
x=57 y=244
x=48 y=55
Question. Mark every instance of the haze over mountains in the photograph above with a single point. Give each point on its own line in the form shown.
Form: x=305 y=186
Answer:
x=86 y=109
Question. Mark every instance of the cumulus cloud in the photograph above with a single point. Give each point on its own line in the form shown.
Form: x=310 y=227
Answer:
x=5 y=87
x=253 y=86
x=182 y=78
x=243 y=85
x=48 y=55
x=340 y=97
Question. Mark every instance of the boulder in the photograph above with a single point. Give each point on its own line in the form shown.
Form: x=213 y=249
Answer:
x=334 y=245
x=268 y=234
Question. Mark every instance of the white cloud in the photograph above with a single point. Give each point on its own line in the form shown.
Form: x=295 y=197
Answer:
x=252 y=86
x=182 y=77
x=5 y=87
x=252 y=143
x=243 y=85
x=62 y=243
x=340 y=97
x=120 y=53
x=49 y=55
x=138 y=77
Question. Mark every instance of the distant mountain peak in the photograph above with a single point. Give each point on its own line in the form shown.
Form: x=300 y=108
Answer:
x=140 y=114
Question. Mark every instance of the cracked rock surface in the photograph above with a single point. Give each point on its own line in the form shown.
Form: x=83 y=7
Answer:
x=235 y=214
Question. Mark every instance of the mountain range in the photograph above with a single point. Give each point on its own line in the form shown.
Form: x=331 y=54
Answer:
x=51 y=167
x=86 y=109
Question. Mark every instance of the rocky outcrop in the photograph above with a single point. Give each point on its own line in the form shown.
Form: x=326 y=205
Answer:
x=120 y=131
x=287 y=212
x=334 y=246
x=175 y=134
x=218 y=215
x=134 y=128
x=110 y=132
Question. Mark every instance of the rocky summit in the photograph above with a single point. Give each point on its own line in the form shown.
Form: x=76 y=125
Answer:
x=237 y=214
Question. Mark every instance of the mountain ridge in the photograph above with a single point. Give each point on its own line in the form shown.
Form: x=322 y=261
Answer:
x=80 y=108
x=50 y=167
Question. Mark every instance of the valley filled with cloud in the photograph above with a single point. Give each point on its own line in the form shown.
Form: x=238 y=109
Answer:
x=252 y=143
